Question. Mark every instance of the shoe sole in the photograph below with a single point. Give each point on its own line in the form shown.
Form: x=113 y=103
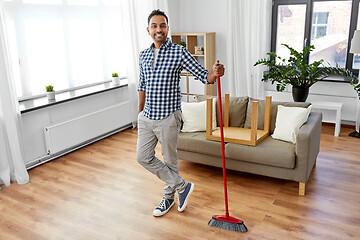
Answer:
x=187 y=198
x=163 y=213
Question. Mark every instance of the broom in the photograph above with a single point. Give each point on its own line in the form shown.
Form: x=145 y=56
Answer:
x=225 y=221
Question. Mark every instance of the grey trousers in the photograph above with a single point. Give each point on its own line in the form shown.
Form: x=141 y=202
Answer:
x=166 y=131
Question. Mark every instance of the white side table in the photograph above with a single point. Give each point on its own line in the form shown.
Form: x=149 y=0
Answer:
x=335 y=106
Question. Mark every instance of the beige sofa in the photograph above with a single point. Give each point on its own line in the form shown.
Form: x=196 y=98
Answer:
x=271 y=157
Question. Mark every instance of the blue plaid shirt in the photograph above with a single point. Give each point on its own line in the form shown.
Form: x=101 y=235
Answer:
x=161 y=83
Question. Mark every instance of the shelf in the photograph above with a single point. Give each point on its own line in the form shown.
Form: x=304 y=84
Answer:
x=201 y=39
x=185 y=73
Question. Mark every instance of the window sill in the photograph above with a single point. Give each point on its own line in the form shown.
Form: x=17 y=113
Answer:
x=330 y=78
x=42 y=102
x=336 y=78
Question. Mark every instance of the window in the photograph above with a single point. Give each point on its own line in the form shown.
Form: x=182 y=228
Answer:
x=291 y=25
x=65 y=43
x=319 y=25
x=356 y=62
x=327 y=24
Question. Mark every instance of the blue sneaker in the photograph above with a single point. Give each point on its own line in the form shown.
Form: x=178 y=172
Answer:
x=163 y=207
x=184 y=196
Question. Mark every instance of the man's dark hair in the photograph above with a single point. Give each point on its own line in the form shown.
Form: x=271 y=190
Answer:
x=157 y=12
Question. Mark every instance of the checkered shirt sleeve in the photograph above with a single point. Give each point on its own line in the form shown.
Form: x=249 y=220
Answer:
x=141 y=86
x=191 y=65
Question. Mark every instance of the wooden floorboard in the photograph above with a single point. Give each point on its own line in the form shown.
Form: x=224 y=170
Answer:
x=101 y=192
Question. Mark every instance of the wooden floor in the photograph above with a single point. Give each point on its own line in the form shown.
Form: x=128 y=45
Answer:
x=101 y=192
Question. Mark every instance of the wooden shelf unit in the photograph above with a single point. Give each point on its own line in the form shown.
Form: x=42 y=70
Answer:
x=206 y=40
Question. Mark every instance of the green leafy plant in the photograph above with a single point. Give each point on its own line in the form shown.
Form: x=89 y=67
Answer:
x=49 y=88
x=115 y=75
x=181 y=43
x=350 y=76
x=295 y=70
x=202 y=49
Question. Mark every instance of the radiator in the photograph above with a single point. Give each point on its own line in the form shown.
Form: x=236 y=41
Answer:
x=71 y=133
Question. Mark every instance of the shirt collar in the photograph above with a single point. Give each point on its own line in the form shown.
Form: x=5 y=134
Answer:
x=165 y=45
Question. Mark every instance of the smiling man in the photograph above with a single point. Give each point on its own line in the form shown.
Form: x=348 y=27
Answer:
x=159 y=116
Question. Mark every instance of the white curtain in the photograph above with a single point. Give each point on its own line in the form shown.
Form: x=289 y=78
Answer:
x=249 y=40
x=135 y=14
x=12 y=166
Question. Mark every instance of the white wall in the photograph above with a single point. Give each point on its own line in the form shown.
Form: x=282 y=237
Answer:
x=202 y=16
x=174 y=16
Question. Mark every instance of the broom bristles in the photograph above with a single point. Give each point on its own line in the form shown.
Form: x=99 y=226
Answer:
x=236 y=227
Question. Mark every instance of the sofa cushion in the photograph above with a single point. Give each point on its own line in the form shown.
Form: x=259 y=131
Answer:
x=237 y=109
x=196 y=142
x=194 y=116
x=270 y=152
x=288 y=122
x=274 y=108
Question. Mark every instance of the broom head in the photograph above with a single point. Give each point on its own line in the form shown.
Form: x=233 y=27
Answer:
x=227 y=223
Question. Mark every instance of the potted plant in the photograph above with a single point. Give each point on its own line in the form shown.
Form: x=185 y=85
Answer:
x=350 y=76
x=50 y=93
x=115 y=79
x=181 y=43
x=294 y=71
x=199 y=50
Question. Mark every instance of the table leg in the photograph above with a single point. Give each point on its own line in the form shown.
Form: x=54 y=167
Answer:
x=338 y=122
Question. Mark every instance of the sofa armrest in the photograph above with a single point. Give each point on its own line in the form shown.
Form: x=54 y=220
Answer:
x=308 y=145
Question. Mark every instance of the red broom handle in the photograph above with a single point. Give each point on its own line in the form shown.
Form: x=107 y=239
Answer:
x=222 y=147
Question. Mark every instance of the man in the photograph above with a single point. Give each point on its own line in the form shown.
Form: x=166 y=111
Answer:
x=159 y=116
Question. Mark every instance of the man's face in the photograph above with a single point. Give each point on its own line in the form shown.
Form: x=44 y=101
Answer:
x=158 y=29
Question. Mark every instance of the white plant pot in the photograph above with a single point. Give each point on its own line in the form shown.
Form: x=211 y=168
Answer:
x=50 y=95
x=116 y=80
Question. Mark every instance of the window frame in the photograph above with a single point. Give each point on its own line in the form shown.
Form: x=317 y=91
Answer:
x=308 y=24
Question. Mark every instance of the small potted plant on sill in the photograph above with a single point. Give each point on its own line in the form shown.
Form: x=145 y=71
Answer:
x=294 y=71
x=115 y=79
x=182 y=43
x=202 y=51
x=50 y=93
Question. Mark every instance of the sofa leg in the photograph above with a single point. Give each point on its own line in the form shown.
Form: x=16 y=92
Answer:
x=301 y=189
